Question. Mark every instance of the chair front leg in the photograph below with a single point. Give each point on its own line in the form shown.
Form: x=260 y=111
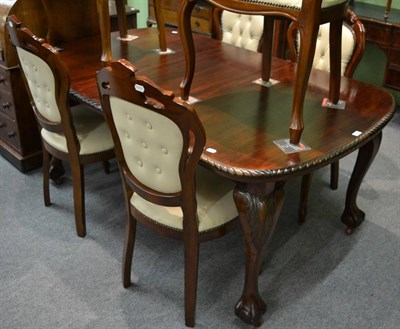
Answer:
x=304 y=193
x=334 y=175
x=335 y=55
x=185 y=32
x=308 y=36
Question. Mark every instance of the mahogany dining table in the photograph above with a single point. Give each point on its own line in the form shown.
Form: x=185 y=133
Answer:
x=243 y=121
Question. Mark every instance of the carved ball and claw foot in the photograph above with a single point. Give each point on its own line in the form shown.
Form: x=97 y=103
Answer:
x=250 y=309
x=352 y=218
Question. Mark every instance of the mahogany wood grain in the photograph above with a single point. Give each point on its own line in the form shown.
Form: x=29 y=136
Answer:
x=242 y=120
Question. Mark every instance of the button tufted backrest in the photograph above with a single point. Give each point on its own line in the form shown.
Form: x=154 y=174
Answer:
x=41 y=83
x=47 y=81
x=158 y=138
x=151 y=143
x=244 y=31
x=353 y=45
x=321 y=55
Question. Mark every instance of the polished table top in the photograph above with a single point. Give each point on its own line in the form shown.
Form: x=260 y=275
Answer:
x=242 y=120
x=231 y=105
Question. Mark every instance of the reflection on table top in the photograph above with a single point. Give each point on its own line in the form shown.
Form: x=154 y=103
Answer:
x=243 y=119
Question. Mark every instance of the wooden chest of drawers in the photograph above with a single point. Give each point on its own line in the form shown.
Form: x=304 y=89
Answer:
x=19 y=136
x=201 y=15
x=386 y=35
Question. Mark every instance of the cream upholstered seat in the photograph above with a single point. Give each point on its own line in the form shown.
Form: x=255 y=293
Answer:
x=75 y=134
x=158 y=143
x=244 y=31
x=353 y=46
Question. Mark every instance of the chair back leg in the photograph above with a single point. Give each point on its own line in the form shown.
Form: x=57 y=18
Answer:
x=78 y=185
x=191 y=273
x=46 y=176
x=130 y=235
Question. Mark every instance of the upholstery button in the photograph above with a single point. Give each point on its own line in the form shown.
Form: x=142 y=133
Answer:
x=158 y=170
x=140 y=163
x=127 y=135
x=164 y=150
x=144 y=145
x=128 y=117
x=34 y=68
x=148 y=125
x=47 y=105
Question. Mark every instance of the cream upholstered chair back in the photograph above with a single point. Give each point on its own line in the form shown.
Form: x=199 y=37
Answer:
x=244 y=31
x=76 y=135
x=152 y=145
x=41 y=83
x=152 y=132
x=353 y=45
x=47 y=82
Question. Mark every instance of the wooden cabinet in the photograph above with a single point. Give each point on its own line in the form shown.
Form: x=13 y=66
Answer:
x=385 y=33
x=19 y=136
x=201 y=15
x=58 y=21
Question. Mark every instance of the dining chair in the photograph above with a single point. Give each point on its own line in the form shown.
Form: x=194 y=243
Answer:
x=75 y=134
x=244 y=31
x=159 y=141
x=353 y=47
x=309 y=15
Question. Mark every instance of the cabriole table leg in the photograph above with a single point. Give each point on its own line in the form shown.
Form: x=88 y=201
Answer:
x=259 y=206
x=352 y=215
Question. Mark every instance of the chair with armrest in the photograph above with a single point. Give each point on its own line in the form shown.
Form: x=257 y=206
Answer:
x=76 y=135
x=309 y=15
x=353 y=47
x=158 y=144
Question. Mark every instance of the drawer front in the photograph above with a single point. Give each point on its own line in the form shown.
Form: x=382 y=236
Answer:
x=7 y=104
x=202 y=12
x=9 y=132
x=396 y=38
x=199 y=24
x=394 y=58
x=379 y=34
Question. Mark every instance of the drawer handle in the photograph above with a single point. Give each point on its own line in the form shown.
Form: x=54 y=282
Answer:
x=6 y=105
x=12 y=134
x=197 y=23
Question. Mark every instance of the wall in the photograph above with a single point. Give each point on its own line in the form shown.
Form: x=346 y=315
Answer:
x=142 y=5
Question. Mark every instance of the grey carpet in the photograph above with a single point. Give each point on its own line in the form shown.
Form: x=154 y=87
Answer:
x=315 y=277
